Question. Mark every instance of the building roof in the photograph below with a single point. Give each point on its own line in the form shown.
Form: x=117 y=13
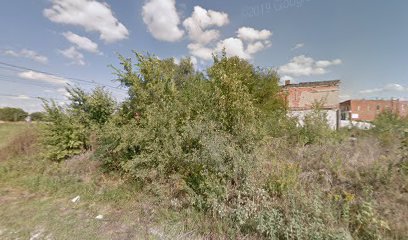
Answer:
x=313 y=84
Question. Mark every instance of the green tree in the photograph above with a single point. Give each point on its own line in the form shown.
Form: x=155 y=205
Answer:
x=69 y=131
x=202 y=128
x=93 y=108
x=12 y=114
x=37 y=116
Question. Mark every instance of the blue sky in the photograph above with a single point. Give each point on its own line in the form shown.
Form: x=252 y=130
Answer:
x=363 y=43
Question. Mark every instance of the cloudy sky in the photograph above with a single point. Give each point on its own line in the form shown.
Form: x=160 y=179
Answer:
x=46 y=44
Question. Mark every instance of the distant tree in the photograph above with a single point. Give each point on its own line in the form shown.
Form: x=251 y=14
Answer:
x=12 y=114
x=37 y=116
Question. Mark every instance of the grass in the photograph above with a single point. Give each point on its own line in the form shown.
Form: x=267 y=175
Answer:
x=8 y=130
x=35 y=200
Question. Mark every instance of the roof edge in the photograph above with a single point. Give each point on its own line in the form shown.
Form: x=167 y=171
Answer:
x=317 y=83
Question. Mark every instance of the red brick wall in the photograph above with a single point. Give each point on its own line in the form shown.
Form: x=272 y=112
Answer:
x=305 y=97
x=367 y=110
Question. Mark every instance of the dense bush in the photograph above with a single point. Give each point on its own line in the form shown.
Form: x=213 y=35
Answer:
x=69 y=131
x=12 y=114
x=388 y=126
x=221 y=142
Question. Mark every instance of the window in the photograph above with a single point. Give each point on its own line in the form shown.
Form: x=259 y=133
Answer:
x=368 y=108
x=378 y=107
x=358 y=108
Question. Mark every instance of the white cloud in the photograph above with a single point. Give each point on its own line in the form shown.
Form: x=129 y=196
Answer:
x=200 y=51
x=18 y=97
x=73 y=54
x=37 y=76
x=23 y=97
x=257 y=40
x=194 y=61
x=162 y=20
x=26 y=53
x=326 y=63
x=257 y=47
x=391 y=87
x=64 y=92
x=307 y=66
x=201 y=28
x=233 y=47
x=200 y=20
x=373 y=90
x=251 y=34
x=395 y=87
x=91 y=14
x=297 y=46
x=81 y=42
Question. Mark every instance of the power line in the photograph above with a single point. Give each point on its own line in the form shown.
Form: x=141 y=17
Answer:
x=10 y=66
x=23 y=96
x=5 y=78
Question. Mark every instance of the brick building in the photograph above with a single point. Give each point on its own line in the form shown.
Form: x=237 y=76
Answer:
x=302 y=97
x=367 y=110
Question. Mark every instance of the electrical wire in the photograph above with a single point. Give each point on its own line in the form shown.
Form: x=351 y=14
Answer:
x=13 y=67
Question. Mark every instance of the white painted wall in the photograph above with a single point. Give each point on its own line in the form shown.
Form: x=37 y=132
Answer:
x=331 y=116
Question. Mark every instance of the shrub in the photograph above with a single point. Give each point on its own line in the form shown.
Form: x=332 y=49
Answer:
x=68 y=131
x=200 y=129
x=63 y=135
x=389 y=126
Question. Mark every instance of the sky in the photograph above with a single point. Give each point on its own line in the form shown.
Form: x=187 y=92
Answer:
x=46 y=44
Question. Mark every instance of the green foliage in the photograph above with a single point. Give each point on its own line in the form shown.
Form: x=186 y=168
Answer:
x=63 y=136
x=282 y=180
x=12 y=114
x=315 y=128
x=366 y=223
x=38 y=116
x=198 y=128
x=389 y=126
x=221 y=142
x=90 y=109
x=68 y=131
x=404 y=152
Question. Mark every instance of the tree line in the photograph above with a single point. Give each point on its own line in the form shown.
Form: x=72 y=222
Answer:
x=11 y=114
